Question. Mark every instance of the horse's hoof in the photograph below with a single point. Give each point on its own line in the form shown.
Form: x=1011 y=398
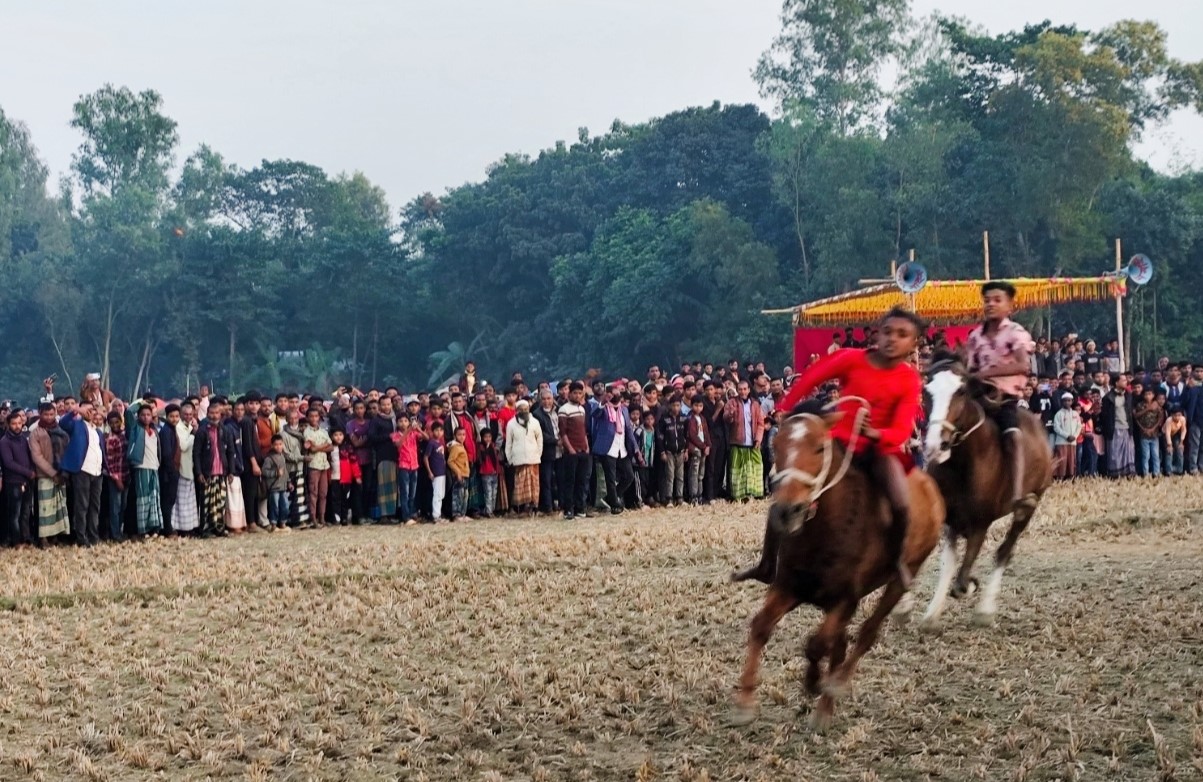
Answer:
x=931 y=625
x=901 y=619
x=959 y=591
x=742 y=716
x=983 y=620
x=820 y=720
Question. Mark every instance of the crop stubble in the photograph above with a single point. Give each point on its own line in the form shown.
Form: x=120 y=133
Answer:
x=598 y=650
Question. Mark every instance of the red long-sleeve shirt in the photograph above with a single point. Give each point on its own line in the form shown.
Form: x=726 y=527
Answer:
x=893 y=396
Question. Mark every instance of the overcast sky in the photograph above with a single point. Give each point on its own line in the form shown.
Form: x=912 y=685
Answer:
x=424 y=95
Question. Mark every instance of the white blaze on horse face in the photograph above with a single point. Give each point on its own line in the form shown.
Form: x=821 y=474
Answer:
x=798 y=437
x=941 y=388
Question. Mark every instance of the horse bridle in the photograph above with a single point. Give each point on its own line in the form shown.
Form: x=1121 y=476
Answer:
x=957 y=436
x=819 y=479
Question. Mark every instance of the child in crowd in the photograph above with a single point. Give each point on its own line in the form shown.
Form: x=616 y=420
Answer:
x=647 y=447
x=697 y=434
x=1067 y=428
x=672 y=447
x=459 y=469
x=406 y=437
x=294 y=454
x=276 y=479
x=637 y=464
x=488 y=467
x=352 y=481
x=1175 y=439
x=117 y=470
x=435 y=461
x=1150 y=420
x=317 y=455
x=337 y=498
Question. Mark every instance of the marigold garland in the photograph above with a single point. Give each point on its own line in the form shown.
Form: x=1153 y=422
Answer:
x=950 y=302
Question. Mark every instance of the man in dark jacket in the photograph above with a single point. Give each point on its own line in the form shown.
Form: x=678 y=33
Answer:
x=83 y=461
x=169 y=466
x=716 y=462
x=1116 y=423
x=384 y=458
x=214 y=456
x=17 y=464
x=252 y=457
x=549 y=421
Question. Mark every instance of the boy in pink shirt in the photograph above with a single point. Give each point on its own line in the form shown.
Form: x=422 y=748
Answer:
x=406 y=438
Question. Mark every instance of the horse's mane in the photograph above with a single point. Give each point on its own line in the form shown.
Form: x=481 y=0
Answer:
x=809 y=406
x=945 y=360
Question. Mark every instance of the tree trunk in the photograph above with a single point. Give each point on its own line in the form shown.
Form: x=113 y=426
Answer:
x=143 y=365
x=375 y=344
x=108 y=341
x=58 y=349
x=233 y=329
x=355 y=354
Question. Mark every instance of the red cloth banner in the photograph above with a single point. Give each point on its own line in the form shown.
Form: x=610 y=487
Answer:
x=815 y=341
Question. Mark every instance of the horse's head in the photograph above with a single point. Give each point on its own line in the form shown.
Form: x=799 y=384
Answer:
x=803 y=455
x=948 y=394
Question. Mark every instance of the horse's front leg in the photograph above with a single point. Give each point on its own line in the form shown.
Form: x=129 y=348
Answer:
x=965 y=584
x=837 y=680
x=831 y=641
x=777 y=603
x=948 y=566
x=987 y=607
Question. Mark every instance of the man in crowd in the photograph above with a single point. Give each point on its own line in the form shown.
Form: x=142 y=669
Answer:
x=745 y=431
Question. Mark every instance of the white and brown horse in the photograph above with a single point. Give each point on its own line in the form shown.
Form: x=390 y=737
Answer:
x=965 y=456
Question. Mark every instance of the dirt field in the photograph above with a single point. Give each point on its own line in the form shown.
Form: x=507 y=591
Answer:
x=598 y=650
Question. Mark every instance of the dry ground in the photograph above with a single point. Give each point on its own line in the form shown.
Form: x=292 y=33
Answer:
x=599 y=650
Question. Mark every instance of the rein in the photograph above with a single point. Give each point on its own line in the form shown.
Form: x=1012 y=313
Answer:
x=820 y=480
x=956 y=436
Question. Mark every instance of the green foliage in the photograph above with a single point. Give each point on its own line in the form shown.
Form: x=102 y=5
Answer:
x=828 y=56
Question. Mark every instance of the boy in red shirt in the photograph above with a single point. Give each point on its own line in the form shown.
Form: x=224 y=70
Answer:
x=406 y=439
x=488 y=467
x=883 y=376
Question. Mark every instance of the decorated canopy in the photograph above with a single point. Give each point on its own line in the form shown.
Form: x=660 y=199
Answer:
x=948 y=302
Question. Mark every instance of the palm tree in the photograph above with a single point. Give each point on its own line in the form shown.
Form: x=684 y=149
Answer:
x=448 y=362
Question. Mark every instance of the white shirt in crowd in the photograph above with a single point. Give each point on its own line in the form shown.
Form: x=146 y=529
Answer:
x=94 y=458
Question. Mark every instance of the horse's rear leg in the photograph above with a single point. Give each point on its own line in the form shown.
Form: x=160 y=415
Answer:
x=987 y=607
x=964 y=585
x=831 y=641
x=948 y=566
x=836 y=683
x=777 y=603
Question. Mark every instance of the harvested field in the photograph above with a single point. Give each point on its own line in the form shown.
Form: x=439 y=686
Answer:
x=597 y=650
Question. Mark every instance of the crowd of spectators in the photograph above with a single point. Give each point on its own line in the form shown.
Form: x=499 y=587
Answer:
x=89 y=467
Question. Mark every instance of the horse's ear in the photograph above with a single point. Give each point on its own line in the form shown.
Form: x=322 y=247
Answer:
x=832 y=418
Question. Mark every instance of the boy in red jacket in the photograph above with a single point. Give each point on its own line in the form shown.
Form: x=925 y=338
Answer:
x=883 y=376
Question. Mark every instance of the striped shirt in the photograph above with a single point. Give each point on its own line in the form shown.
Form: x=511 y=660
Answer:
x=573 y=433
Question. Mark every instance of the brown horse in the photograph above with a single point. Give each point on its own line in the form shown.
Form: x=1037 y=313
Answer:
x=826 y=545
x=965 y=456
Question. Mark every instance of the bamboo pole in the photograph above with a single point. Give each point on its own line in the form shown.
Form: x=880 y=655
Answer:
x=1119 y=306
x=986 y=251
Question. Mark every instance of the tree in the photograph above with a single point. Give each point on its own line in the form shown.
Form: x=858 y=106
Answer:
x=828 y=57
x=122 y=167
